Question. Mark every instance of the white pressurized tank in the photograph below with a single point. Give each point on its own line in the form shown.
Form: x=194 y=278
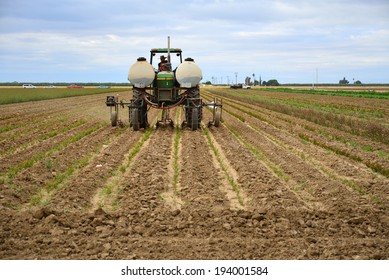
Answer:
x=188 y=74
x=141 y=73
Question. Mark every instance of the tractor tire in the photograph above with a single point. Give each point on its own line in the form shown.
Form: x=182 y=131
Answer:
x=217 y=117
x=114 y=118
x=135 y=119
x=194 y=122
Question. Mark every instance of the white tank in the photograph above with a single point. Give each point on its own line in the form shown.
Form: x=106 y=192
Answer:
x=141 y=73
x=188 y=74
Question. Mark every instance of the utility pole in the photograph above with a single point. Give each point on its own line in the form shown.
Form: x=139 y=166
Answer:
x=236 y=78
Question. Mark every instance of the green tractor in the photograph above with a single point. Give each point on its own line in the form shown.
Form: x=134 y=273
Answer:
x=164 y=88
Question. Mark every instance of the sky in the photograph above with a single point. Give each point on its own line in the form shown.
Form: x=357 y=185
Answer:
x=293 y=41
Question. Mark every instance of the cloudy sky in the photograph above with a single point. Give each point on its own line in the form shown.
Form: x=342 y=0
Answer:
x=98 y=40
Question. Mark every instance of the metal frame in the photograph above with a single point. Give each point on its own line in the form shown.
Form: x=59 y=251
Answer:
x=113 y=103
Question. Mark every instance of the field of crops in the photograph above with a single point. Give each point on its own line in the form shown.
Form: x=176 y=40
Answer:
x=10 y=95
x=286 y=176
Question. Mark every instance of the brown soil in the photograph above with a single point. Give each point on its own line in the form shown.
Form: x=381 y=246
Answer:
x=245 y=190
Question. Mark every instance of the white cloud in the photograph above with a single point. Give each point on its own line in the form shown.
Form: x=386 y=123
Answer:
x=77 y=37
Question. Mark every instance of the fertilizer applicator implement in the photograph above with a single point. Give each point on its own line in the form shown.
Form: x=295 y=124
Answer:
x=164 y=88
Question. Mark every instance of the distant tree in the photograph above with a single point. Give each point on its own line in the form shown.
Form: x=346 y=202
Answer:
x=358 y=82
x=344 y=81
x=264 y=83
x=272 y=82
x=208 y=83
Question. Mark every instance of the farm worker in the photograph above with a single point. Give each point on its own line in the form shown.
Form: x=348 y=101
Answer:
x=161 y=65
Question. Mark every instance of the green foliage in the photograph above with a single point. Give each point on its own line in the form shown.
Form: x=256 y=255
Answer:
x=272 y=82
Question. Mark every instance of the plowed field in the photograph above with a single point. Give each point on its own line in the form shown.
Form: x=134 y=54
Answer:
x=286 y=176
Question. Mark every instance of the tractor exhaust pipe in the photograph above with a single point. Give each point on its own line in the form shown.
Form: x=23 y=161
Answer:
x=168 y=49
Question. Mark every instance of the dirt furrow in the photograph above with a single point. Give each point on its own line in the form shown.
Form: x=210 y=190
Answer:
x=203 y=185
x=149 y=177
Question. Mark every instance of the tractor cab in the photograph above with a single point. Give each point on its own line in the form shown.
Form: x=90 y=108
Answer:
x=173 y=56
